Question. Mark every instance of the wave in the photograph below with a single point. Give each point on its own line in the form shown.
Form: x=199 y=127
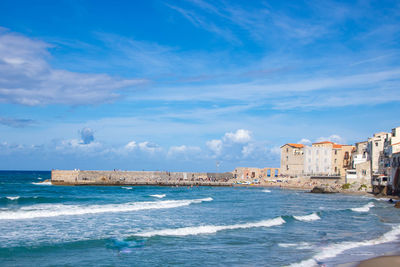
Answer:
x=301 y=245
x=53 y=210
x=13 y=198
x=364 y=208
x=307 y=218
x=127 y=187
x=158 y=196
x=336 y=249
x=210 y=229
x=266 y=191
x=42 y=183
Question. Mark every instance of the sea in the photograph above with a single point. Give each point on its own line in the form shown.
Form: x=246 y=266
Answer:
x=46 y=225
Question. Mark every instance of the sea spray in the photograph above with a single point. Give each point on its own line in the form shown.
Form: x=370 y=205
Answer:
x=307 y=218
x=158 y=196
x=336 y=249
x=53 y=210
x=210 y=229
x=13 y=198
x=364 y=208
x=42 y=183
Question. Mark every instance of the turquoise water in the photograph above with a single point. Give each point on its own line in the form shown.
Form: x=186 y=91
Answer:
x=45 y=225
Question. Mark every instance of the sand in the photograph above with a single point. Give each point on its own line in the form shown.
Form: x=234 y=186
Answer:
x=384 y=261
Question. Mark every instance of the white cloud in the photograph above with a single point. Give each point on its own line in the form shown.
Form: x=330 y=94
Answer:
x=241 y=136
x=184 y=151
x=28 y=79
x=305 y=141
x=149 y=147
x=215 y=145
x=248 y=150
x=131 y=146
x=332 y=138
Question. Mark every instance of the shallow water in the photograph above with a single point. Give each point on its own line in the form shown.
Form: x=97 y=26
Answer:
x=202 y=226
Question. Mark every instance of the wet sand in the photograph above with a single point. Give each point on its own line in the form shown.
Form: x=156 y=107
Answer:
x=384 y=261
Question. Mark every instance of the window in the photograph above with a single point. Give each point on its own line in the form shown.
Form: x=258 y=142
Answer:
x=335 y=161
x=287 y=167
x=335 y=152
x=287 y=149
x=376 y=143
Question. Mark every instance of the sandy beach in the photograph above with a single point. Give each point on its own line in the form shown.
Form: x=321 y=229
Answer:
x=384 y=261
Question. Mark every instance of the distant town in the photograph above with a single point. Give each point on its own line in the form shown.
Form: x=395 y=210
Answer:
x=371 y=165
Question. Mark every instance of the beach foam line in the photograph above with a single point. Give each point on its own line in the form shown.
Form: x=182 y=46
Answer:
x=308 y=218
x=364 y=208
x=336 y=249
x=158 y=196
x=53 y=210
x=210 y=229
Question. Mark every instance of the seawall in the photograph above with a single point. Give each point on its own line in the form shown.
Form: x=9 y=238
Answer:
x=78 y=177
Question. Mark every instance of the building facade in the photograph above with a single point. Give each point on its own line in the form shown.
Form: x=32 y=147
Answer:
x=292 y=160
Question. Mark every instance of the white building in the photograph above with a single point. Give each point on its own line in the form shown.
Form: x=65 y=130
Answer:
x=317 y=160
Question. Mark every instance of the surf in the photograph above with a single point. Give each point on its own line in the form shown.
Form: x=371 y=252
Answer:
x=54 y=210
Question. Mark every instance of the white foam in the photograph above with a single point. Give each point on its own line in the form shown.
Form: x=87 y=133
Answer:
x=267 y=191
x=336 y=249
x=301 y=245
x=210 y=229
x=364 y=208
x=53 y=210
x=158 y=196
x=13 y=198
x=308 y=218
x=127 y=187
x=42 y=183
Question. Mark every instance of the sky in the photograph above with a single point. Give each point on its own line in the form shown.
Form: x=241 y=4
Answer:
x=191 y=85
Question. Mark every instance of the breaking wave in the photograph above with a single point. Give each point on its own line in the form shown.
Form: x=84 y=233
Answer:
x=42 y=183
x=53 y=210
x=127 y=187
x=267 y=191
x=301 y=245
x=336 y=249
x=364 y=208
x=13 y=198
x=158 y=196
x=210 y=229
x=307 y=218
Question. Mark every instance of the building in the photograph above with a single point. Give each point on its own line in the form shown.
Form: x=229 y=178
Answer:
x=375 y=150
x=360 y=170
x=327 y=159
x=318 y=159
x=292 y=160
x=391 y=161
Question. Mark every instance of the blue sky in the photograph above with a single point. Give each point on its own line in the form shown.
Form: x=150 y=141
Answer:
x=179 y=85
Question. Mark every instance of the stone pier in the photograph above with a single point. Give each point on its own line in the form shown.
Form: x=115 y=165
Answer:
x=162 y=178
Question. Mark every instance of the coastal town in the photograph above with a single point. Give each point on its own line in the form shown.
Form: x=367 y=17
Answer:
x=372 y=165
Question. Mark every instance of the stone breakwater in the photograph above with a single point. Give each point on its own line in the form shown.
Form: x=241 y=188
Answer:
x=162 y=178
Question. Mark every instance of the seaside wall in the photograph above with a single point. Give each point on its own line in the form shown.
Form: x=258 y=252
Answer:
x=64 y=177
x=78 y=177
